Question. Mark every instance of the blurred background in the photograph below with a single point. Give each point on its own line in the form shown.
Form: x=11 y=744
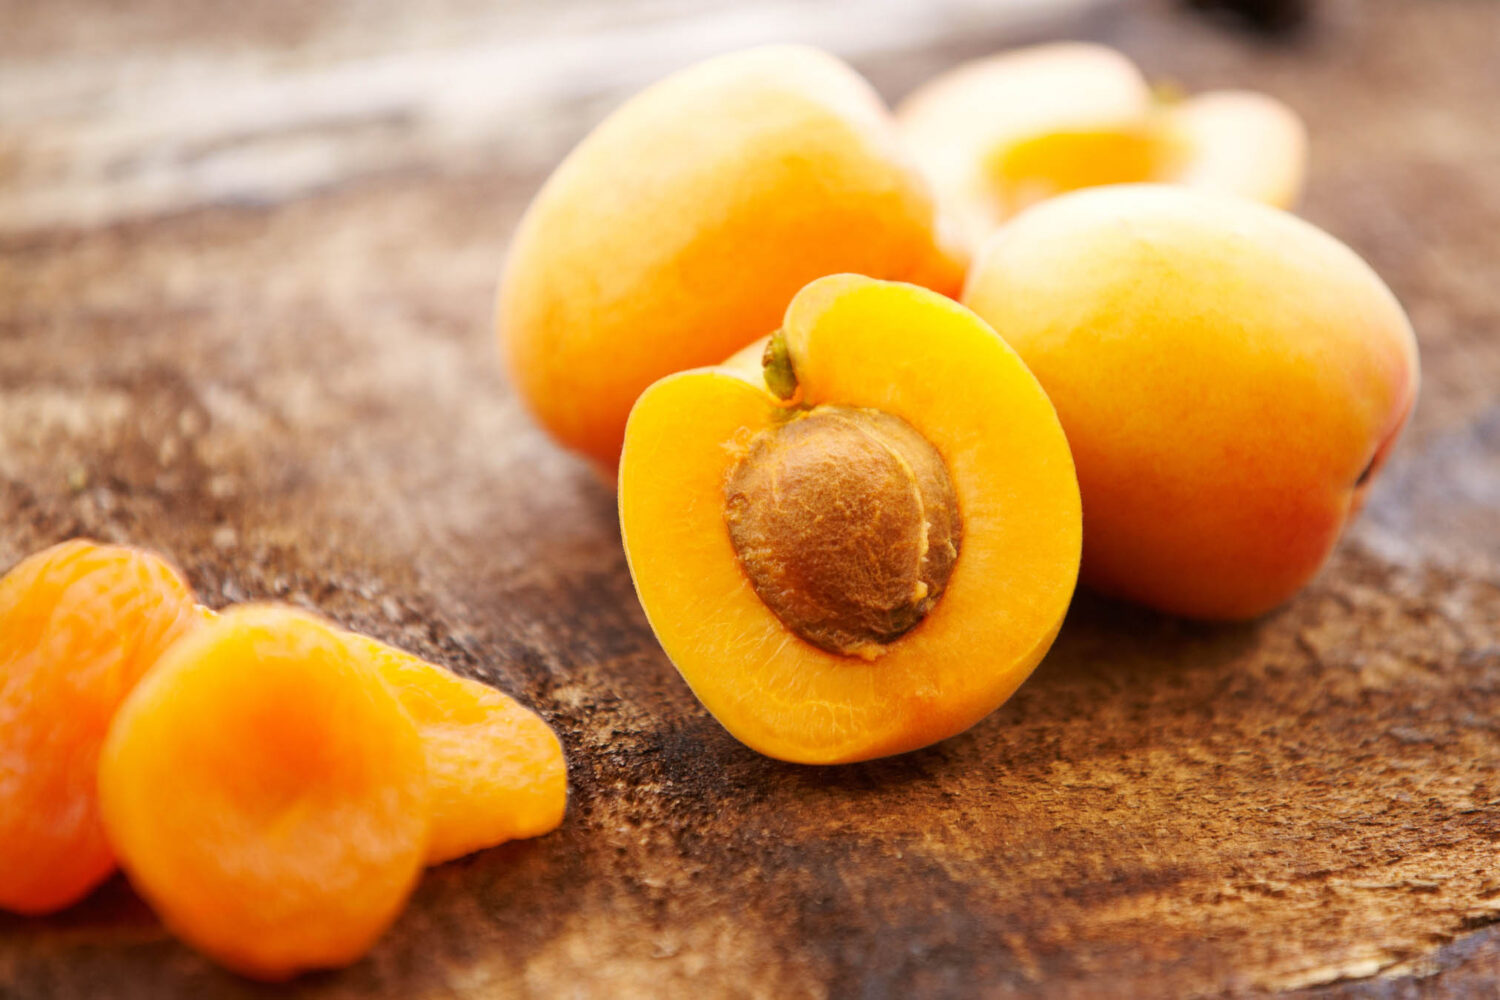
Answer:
x=117 y=110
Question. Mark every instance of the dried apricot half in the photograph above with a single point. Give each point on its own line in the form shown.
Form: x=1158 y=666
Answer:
x=495 y=770
x=80 y=623
x=865 y=546
x=267 y=793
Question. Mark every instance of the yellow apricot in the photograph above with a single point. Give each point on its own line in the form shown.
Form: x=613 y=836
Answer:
x=677 y=231
x=267 y=794
x=1000 y=134
x=916 y=457
x=495 y=770
x=1230 y=378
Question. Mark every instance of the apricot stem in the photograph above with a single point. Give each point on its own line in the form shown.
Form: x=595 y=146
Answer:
x=781 y=379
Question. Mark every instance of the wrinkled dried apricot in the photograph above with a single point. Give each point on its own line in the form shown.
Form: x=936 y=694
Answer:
x=267 y=793
x=80 y=623
x=495 y=770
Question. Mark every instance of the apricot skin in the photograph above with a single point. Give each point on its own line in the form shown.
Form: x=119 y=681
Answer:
x=679 y=229
x=80 y=624
x=914 y=355
x=495 y=770
x=267 y=794
x=1230 y=379
x=998 y=134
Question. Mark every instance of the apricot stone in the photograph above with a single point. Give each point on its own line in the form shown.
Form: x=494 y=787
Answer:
x=1230 y=377
x=1002 y=133
x=872 y=564
x=679 y=229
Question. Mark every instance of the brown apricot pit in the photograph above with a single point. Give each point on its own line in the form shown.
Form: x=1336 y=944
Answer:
x=844 y=520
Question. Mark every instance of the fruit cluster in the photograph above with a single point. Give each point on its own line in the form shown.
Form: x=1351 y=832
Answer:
x=878 y=391
x=272 y=784
x=861 y=532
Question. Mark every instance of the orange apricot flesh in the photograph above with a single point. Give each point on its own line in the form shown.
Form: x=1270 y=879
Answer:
x=495 y=770
x=80 y=624
x=1230 y=378
x=267 y=794
x=1003 y=133
x=676 y=232
x=856 y=345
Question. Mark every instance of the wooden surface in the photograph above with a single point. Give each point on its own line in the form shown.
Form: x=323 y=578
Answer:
x=288 y=382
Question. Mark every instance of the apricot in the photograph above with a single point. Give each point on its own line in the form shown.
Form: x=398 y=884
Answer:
x=80 y=623
x=677 y=231
x=267 y=793
x=1230 y=377
x=1002 y=133
x=868 y=545
x=495 y=770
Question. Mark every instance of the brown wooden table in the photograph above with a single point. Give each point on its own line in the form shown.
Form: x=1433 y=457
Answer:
x=247 y=254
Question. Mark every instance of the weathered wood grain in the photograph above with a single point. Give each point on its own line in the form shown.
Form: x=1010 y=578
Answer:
x=301 y=399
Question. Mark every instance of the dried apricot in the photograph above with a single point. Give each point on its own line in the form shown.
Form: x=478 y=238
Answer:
x=267 y=793
x=495 y=770
x=80 y=623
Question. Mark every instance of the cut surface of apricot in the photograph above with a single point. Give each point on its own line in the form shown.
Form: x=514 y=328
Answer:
x=677 y=231
x=940 y=472
x=495 y=769
x=1000 y=134
x=267 y=794
x=80 y=623
x=1229 y=376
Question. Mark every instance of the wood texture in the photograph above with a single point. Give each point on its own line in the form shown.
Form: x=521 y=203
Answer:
x=300 y=398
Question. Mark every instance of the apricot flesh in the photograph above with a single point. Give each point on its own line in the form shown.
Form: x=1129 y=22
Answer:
x=495 y=770
x=678 y=230
x=1230 y=378
x=80 y=623
x=267 y=794
x=906 y=352
x=999 y=134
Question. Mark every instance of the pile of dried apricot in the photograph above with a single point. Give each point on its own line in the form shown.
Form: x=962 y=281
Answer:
x=861 y=532
x=272 y=784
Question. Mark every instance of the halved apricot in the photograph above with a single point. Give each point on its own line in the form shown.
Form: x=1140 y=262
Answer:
x=868 y=549
x=267 y=793
x=495 y=770
x=999 y=134
x=80 y=623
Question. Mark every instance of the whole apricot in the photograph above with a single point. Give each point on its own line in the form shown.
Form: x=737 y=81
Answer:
x=864 y=545
x=80 y=623
x=679 y=229
x=267 y=793
x=1231 y=380
x=998 y=134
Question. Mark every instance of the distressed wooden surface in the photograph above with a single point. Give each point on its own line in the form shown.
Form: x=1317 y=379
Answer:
x=300 y=398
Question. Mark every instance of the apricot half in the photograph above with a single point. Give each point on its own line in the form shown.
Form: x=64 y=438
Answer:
x=676 y=232
x=1230 y=377
x=495 y=770
x=267 y=793
x=1002 y=133
x=80 y=623
x=867 y=549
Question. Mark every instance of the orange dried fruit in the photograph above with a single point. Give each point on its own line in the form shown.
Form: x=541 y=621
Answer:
x=80 y=623
x=495 y=769
x=267 y=793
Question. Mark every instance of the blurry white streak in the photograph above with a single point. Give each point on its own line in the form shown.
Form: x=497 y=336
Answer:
x=90 y=141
